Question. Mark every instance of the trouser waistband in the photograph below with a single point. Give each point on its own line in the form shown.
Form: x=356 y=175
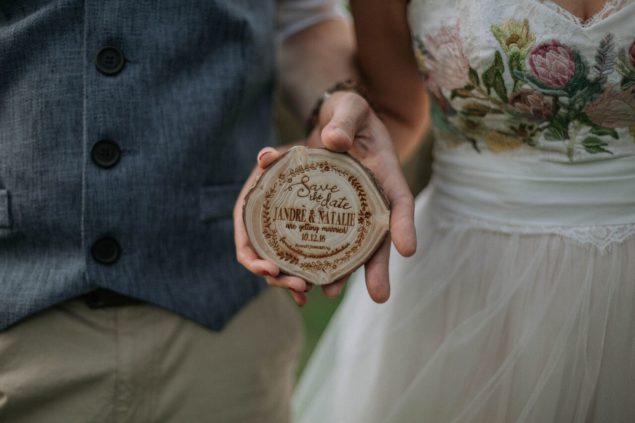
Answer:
x=104 y=298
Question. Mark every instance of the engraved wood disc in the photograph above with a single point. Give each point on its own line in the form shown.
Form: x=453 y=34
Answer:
x=316 y=214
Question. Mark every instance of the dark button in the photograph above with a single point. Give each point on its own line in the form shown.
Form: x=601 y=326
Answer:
x=106 y=250
x=109 y=61
x=105 y=153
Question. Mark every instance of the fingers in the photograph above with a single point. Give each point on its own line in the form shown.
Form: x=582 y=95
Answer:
x=287 y=281
x=245 y=254
x=300 y=298
x=377 y=278
x=343 y=115
x=248 y=258
x=298 y=287
x=387 y=169
x=402 y=226
x=334 y=289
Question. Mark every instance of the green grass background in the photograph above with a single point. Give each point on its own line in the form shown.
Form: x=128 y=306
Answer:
x=316 y=315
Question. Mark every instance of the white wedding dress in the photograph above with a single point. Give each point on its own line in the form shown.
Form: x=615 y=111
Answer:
x=519 y=305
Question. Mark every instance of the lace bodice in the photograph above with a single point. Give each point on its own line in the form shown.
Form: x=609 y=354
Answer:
x=610 y=7
x=534 y=115
x=528 y=77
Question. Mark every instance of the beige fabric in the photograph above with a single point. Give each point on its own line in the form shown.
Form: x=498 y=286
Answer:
x=142 y=364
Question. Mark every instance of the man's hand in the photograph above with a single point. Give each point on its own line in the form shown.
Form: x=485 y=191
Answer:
x=346 y=124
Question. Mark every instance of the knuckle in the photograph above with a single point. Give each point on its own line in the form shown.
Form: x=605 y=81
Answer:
x=408 y=201
x=349 y=96
x=405 y=199
x=362 y=103
x=270 y=281
x=358 y=102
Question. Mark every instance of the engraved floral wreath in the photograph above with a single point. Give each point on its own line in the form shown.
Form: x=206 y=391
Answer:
x=271 y=236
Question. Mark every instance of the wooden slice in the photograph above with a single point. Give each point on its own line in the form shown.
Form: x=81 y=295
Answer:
x=316 y=214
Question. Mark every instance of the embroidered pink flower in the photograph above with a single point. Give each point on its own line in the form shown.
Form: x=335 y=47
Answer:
x=614 y=108
x=552 y=63
x=446 y=62
x=532 y=103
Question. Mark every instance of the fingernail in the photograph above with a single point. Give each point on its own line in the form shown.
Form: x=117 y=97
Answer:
x=263 y=154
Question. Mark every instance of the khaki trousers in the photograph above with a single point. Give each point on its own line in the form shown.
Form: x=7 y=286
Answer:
x=142 y=364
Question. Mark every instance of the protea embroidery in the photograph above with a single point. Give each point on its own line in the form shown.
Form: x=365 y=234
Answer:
x=554 y=95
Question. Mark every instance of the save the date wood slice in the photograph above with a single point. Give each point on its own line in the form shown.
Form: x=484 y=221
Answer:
x=316 y=214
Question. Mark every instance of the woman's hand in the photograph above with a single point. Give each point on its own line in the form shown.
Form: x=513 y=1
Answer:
x=346 y=124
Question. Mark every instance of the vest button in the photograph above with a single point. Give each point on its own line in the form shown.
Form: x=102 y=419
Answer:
x=109 y=61
x=106 y=250
x=105 y=153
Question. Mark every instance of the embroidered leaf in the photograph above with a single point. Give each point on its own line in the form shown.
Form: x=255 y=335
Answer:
x=605 y=58
x=623 y=66
x=488 y=79
x=474 y=79
x=584 y=118
x=558 y=129
x=499 y=87
x=515 y=64
x=438 y=117
x=599 y=131
x=595 y=145
x=627 y=72
x=579 y=80
x=534 y=83
x=586 y=94
x=627 y=83
x=498 y=62
x=493 y=77
x=474 y=144
x=473 y=108
x=462 y=92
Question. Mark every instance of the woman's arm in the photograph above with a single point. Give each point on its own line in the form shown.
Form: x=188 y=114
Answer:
x=389 y=70
x=314 y=59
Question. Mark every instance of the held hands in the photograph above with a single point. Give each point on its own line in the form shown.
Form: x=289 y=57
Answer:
x=346 y=124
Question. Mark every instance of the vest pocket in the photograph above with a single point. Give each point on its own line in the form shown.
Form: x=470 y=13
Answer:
x=217 y=201
x=5 y=209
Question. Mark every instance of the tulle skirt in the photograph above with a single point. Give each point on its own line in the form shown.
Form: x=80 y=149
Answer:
x=482 y=326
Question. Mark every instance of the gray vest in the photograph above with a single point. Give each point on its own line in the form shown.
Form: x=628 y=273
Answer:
x=127 y=129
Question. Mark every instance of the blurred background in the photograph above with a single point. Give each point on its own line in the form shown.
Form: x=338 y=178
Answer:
x=319 y=309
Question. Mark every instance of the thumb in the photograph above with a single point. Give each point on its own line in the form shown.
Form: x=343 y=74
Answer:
x=266 y=156
x=343 y=115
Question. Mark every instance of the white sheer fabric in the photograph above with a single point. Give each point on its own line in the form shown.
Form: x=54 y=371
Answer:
x=519 y=305
x=482 y=327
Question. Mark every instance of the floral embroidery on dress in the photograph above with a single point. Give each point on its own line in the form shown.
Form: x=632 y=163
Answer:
x=554 y=96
